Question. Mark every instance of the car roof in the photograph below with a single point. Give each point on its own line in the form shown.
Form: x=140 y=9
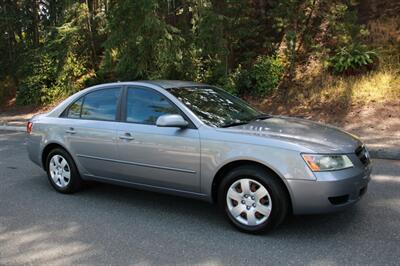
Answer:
x=163 y=84
x=168 y=84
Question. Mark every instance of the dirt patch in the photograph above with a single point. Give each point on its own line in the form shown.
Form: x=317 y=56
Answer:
x=378 y=124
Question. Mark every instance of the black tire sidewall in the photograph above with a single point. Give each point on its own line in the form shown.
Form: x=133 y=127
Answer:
x=75 y=181
x=274 y=188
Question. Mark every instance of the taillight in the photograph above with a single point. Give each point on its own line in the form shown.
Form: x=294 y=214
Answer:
x=29 y=126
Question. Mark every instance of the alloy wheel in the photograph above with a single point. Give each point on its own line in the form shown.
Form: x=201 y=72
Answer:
x=60 y=171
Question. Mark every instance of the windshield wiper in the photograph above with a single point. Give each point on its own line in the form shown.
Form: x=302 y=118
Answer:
x=243 y=122
x=239 y=123
x=261 y=117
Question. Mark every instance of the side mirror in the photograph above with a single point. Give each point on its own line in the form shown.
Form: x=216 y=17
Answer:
x=171 y=121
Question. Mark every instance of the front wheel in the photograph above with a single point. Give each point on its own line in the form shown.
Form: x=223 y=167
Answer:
x=253 y=199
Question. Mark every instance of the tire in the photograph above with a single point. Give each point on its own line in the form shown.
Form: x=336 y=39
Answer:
x=253 y=209
x=62 y=172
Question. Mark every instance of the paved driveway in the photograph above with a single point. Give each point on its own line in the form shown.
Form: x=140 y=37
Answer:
x=112 y=225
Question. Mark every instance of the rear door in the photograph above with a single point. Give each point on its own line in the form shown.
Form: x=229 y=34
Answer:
x=156 y=156
x=91 y=131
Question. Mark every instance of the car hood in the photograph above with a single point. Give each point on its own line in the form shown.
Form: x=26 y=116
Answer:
x=311 y=135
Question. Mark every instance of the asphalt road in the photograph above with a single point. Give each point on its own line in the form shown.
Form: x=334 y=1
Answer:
x=113 y=225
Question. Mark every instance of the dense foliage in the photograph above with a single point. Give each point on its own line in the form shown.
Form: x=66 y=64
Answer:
x=352 y=59
x=53 y=48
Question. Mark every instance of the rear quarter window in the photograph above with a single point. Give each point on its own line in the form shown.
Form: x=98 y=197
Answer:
x=74 y=110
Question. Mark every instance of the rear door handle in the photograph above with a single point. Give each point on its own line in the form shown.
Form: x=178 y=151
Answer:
x=71 y=130
x=127 y=136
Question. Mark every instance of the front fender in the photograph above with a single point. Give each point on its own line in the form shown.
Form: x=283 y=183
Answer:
x=287 y=164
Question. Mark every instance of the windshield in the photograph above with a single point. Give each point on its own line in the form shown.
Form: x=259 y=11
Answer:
x=214 y=106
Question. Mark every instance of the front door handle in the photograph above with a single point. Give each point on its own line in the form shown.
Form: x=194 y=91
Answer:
x=127 y=136
x=71 y=130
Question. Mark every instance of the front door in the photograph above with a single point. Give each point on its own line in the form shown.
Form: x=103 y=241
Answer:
x=156 y=156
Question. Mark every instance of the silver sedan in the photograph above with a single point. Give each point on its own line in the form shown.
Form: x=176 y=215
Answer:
x=198 y=141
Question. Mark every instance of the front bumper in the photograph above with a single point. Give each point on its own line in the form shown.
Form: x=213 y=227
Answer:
x=332 y=191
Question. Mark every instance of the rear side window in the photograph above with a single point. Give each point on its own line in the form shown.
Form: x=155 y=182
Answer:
x=145 y=106
x=74 y=110
x=101 y=105
x=97 y=105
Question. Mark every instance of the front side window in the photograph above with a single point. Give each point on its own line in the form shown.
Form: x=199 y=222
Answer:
x=214 y=106
x=144 y=106
x=101 y=104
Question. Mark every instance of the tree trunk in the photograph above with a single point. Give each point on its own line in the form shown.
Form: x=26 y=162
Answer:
x=11 y=43
x=91 y=38
x=306 y=25
x=35 y=23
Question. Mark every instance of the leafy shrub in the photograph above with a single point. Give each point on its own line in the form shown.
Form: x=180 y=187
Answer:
x=7 y=87
x=35 y=88
x=266 y=74
x=72 y=74
x=258 y=80
x=231 y=82
x=352 y=59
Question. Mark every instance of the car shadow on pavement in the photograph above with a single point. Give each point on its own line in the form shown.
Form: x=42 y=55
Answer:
x=190 y=211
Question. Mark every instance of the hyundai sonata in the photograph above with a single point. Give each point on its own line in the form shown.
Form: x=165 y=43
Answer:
x=198 y=141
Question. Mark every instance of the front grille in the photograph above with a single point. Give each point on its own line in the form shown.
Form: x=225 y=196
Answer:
x=363 y=155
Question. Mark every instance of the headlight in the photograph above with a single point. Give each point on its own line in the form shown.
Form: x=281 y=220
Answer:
x=318 y=162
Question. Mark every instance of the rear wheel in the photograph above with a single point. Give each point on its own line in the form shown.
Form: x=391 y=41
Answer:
x=62 y=172
x=252 y=199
